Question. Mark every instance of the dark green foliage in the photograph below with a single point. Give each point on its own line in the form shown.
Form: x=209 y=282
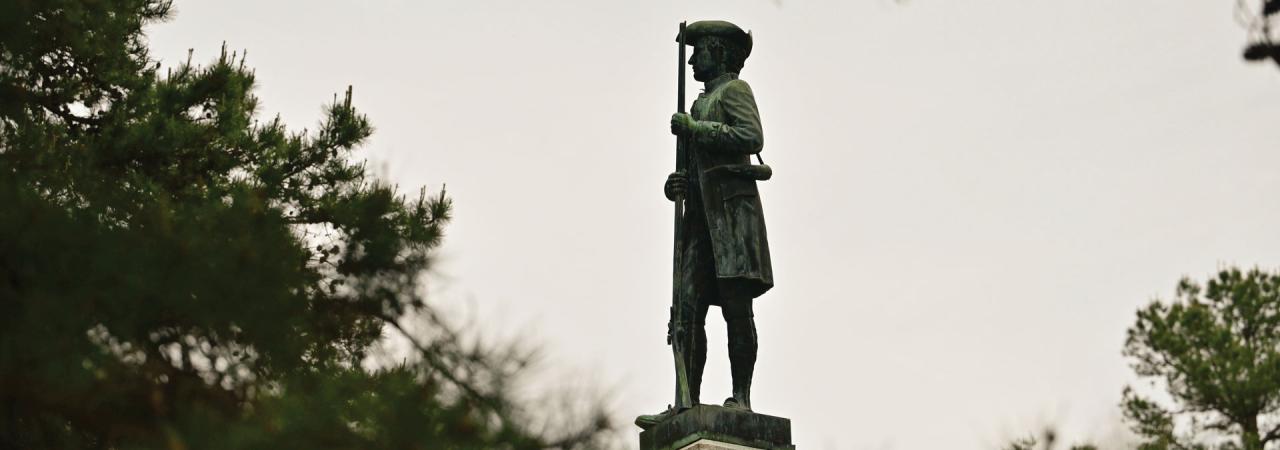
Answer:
x=1261 y=46
x=1270 y=7
x=1259 y=51
x=1216 y=351
x=175 y=274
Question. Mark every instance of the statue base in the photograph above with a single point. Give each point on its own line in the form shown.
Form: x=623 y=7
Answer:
x=707 y=427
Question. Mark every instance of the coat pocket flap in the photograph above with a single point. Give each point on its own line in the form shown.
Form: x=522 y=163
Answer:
x=731 y=185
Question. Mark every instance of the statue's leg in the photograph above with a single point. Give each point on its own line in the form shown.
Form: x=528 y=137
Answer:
x=741 y=323
x=688 y=335
x=698 y=355
x=701 y=290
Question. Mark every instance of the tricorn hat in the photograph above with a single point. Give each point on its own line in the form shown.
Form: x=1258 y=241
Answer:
x=719 y=28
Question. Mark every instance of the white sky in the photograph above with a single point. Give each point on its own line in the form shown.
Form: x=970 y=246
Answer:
x=970 y=200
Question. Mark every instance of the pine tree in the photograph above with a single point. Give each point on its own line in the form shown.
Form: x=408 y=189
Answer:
x=176 y=273
x=1215 y=351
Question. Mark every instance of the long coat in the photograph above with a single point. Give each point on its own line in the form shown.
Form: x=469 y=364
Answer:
x=727 y=134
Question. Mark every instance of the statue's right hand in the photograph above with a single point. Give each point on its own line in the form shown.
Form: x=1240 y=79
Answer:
x=676 y=185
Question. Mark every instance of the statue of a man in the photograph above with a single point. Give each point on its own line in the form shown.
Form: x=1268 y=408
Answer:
x=724 y=249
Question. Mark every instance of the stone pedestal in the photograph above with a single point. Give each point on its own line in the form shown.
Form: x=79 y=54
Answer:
x=707 y=427
x=715 y=445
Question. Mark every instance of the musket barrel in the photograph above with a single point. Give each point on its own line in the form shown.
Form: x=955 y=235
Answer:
x=679 y=334
x=680 y=72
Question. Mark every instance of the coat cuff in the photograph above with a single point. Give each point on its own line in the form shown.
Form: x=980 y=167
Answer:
x=706 y=132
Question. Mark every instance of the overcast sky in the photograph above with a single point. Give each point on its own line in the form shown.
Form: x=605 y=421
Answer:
x=970 y=200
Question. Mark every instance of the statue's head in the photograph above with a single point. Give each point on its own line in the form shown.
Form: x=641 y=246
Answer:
x=719 y=47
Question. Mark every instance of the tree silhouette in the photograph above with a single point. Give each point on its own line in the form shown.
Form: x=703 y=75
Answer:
x=176 y=273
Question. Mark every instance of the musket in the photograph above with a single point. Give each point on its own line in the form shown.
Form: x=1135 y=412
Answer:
x=679 y=324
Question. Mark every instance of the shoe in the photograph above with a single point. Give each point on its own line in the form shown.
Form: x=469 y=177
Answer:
x=648 y=421
x=733 y=403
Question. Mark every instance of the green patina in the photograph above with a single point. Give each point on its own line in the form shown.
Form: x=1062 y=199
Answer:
x=722 y=249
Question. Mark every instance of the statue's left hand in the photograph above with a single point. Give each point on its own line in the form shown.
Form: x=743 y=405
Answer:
x=682 y=124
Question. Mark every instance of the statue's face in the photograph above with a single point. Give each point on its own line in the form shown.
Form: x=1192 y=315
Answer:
x=705 y=65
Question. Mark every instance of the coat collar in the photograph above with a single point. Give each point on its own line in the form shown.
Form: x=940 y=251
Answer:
x=715 y=83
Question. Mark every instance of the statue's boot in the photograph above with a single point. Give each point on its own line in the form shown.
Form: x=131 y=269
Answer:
x=742 y=360
x=648 y=421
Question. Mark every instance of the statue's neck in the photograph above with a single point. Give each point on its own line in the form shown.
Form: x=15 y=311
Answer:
x=715 y=82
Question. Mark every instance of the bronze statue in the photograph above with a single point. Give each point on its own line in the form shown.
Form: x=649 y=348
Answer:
x=722 y=252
